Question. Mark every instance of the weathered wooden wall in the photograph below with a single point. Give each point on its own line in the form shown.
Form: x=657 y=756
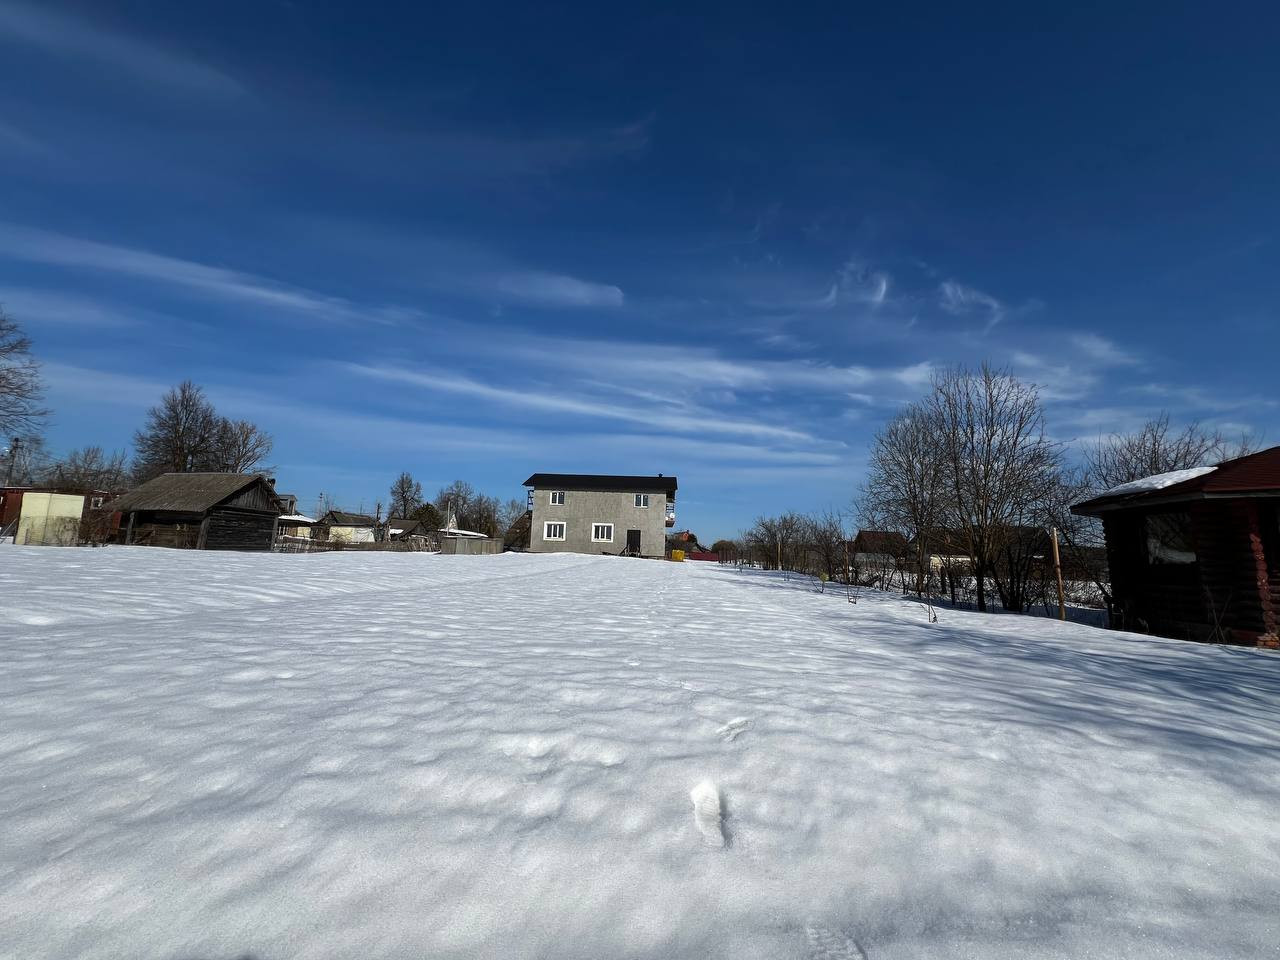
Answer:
x=258 y=497
x=223 y=528
x=1217 y=598
x=232 y=529
x=151 y=530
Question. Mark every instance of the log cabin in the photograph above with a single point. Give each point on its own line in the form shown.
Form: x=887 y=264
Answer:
x=201 y=511
x=1195 y=554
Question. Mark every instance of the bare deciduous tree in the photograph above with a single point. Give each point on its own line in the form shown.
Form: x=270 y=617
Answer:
x=455 y=498
x=20 y=392
x=776 y=541
x=406 y=495
x=1157 y=448
x=727 y=549
x=179 y=434
x=997 y=463
x=184 y=433
x=905 y=490
x=828 y=541
x=239 y=447
x=472 y=510
x=23 y=459
x=482 y=515
x=91 y=469
x=510 y=513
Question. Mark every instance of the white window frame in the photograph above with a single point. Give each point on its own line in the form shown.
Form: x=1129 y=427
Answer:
x=642 y=500
x=546 y=530
x=595 y=527
x=551 y=498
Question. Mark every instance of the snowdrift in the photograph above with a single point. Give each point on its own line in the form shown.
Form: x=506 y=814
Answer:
x=404 y=755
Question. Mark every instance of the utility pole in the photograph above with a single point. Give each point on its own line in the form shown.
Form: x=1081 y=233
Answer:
x=1057 y=570
x=14 y=445
x=848 y=575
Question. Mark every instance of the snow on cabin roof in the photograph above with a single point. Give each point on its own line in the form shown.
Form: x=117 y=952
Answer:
x=1252 y=475
x=1159 y=481
x=295 y=518
x=455 y=532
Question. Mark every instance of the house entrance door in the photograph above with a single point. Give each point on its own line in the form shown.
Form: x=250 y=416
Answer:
x=633 y=543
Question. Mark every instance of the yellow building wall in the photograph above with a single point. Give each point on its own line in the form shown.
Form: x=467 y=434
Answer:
x=49 y=519
x=351 y=534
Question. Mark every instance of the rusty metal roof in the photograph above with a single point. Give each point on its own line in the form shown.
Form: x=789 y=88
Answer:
x=1254 y=475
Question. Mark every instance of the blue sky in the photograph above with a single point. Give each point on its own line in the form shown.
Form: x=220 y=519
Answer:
x=487 y=241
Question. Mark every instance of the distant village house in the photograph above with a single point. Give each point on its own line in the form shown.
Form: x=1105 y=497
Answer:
x=339 y=526
x=600 y=513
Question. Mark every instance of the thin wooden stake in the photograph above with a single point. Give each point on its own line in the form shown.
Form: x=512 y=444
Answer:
x=1057 y=569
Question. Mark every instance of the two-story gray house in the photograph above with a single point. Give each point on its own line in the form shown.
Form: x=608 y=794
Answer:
x=593 y=513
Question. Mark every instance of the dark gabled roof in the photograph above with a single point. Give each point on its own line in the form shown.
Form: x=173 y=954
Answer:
x=887 y=542
x=603 y=482
x=1257 y=474
x=186 y=492
x=405 y=525
x=344 y=519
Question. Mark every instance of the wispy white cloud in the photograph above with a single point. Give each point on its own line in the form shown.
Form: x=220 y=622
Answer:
x=1195 y=399
x=49 y=306
x=557 y=290
x=854 y=283
x=72 y=385
x=398 y=434
x=54 y=249
x=1103 y=351
x=677 y=370
x=857 y=282
x=960 y=300
x=63 y=35
x=1055 y=381
x=541 y=397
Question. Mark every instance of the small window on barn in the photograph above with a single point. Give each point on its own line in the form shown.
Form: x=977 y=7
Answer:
x=1168 y=537
x=553 y=531
x=95 y=503
x=642 y=499
x=557 y=497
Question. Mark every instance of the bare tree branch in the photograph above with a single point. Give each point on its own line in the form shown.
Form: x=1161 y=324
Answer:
x=20 y=389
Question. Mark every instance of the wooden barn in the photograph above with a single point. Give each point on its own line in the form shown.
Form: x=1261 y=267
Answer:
x=1195 y=554
x=201 y=511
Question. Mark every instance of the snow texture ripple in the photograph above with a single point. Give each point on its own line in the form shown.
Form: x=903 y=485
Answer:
x=404 y=756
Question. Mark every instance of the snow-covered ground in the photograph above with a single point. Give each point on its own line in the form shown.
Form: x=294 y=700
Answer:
x=405 y=755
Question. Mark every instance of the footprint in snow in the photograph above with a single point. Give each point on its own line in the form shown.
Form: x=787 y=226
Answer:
x=823 y=943
x=733 y=729
x=707 y=816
